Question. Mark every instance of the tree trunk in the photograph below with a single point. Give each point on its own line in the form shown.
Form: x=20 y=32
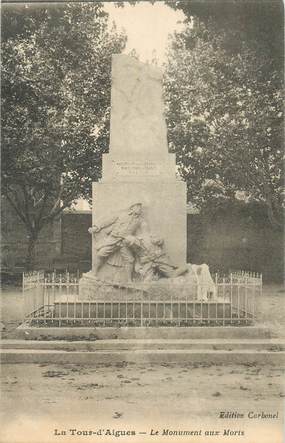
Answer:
x=271 y=216
x=31 y=252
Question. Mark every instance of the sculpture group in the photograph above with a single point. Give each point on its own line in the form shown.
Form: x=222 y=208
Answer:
x=127 y=244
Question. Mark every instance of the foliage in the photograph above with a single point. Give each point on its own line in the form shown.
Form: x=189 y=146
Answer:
x=225 y=113
x=56 y=87
x=258 y=23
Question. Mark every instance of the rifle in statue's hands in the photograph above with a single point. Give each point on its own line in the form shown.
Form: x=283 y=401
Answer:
x=94 y=229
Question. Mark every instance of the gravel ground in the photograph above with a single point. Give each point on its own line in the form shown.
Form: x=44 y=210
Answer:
x=137 y=397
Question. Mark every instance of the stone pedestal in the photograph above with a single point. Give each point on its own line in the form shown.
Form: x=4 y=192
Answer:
x=167 y=289
x=138 y=168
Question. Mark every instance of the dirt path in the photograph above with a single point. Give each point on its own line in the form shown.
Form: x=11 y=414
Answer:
x=134 y=396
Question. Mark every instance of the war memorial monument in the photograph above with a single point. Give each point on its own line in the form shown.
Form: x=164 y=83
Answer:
x=139 y=206
x=140 y=277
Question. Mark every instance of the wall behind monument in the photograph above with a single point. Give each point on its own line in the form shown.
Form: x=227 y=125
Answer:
x=76 y=240
x=14 y=240
x=229 y=241
x=236 y=240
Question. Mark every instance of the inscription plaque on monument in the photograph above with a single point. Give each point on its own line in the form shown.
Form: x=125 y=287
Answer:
x=134 y=168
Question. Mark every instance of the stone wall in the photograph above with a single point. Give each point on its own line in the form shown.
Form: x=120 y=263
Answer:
x=14 y=240
x=76 y=240
x=65 y=243
x=224 y=243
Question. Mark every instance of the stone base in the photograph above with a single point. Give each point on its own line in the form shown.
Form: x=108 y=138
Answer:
x=184 y=288
x=27 y=332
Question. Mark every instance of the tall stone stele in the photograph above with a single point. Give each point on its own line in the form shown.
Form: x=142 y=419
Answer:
x=138 y=167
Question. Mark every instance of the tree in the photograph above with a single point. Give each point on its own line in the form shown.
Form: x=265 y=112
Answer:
x=56 y=86
x=225 y=109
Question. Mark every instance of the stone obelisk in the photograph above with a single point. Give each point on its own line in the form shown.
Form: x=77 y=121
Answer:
x=138 y=167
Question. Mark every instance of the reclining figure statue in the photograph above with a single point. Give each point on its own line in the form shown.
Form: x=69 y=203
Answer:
x=152 y=261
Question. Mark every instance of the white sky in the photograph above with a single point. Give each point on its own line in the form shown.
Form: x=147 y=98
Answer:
x=147 y=26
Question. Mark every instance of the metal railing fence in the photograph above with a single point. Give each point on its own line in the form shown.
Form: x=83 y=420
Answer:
x=53 y=300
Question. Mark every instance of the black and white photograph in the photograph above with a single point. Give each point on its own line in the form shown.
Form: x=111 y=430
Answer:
x=142 y=229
